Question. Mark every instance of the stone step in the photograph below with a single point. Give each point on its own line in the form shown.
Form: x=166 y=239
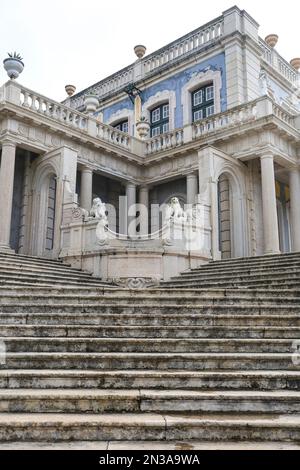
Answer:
x=44 y=275
x=108 y=308
x=151 y=445
x=149 y=361
x=139 y=319
x=148 y=401
x=231 y=277
x=31 y=266
x=237 y=265
x=148 y=426
x=89 y=300
x=178 y=331
x=5 y=256
x=148 y=345
x=266 y=284
x=255 y=259
x=239 y=271
x=109 y=291
x=154 y=379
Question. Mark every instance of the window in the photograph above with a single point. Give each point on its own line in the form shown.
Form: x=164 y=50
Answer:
x=122 y=126
x=203 y=102
x=159 y=120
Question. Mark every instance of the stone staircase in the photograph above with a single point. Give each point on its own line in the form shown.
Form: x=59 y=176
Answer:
x=205 y=361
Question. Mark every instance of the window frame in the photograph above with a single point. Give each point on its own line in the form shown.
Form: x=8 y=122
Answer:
x=207 y=102
x=120 y=126
x=162 y=124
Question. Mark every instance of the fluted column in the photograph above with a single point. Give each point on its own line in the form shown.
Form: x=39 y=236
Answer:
x=270 y=220
x=86 y=189
x=191 y=188
x=144 y=207
x=131 y=205
x=7 y=173
x=295 y=208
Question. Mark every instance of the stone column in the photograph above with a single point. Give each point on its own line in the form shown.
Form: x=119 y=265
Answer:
x=7 y=173
x=191 y=188
x=144 y=207
x=295 y=208
x=131 y=205
x=86 y=188
x=154 y=207
x=270 y=220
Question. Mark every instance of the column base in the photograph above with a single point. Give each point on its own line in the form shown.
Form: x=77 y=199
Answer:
x=275 y=252
x=6 y=249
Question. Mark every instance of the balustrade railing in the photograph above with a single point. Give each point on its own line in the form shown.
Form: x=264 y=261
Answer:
x=184 y=46
x=272 y=57
x=164 y=141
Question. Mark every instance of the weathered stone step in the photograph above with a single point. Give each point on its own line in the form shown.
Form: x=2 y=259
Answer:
x=163 y=361
x=199 y=309
x=156 y=319
x=147 y=426
x=97 y=300
x=151 y=345
x=5 y=256
x=266 y=284
x=151 y=445
x=112 y=331
x=25 y=266
x=235 y=264
x=149 y=401
x=154 y=379
x=251 y=259
x=231 y=277
x=44 y=275
x=109 y=291
x=238 y=272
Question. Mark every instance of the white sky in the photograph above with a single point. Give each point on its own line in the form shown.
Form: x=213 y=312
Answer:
x=82 y=41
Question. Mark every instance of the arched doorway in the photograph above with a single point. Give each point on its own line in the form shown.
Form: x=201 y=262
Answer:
x=232 y=220
x=45 y=214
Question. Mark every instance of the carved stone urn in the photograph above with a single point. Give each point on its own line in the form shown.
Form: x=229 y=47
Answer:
x=271 y=40
x=295 y=63
x=140 y=51
x=143 y=127
x=13 y=65
x=70 y=89
x=91 y=102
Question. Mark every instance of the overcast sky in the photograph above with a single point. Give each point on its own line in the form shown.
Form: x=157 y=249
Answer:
x=82 y=41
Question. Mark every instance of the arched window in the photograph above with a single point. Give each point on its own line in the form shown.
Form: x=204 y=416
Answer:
x=159 y=119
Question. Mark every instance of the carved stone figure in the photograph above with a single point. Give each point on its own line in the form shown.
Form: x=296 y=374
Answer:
x=98 y=210
x=174 y=211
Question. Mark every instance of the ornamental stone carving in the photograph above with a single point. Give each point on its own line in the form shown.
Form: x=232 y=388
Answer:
x=98 y=210
x=174 y=212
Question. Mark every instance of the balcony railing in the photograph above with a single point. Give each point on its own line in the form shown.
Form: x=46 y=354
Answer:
x=59 y=114
x=272 y=57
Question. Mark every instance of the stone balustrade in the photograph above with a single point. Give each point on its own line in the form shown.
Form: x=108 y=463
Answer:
x=181 y=48
x=14 y=93
x=21 y=96
x=165 y=141
x=272 y=57
x=185 y=45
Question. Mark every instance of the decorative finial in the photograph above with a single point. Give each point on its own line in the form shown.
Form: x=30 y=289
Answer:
x=271 y=40
x=13 y=65
x=70 y=89
x=140 y=51
x=295 y=63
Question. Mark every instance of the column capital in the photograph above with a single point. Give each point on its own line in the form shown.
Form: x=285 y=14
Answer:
x=8 y=143
x=86 y=169
x=191 y=176
x=130 y=184
x=267 y=155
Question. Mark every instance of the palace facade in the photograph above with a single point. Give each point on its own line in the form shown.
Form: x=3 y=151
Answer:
x=206 y=129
